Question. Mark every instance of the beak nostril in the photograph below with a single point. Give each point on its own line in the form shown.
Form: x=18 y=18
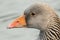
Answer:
x=17 y=21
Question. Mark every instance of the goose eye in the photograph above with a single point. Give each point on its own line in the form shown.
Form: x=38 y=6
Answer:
x=32 y=14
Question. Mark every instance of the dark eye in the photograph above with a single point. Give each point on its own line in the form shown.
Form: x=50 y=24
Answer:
x=32 y=14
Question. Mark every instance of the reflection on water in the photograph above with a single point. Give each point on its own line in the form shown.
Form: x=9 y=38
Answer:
x=7 y=15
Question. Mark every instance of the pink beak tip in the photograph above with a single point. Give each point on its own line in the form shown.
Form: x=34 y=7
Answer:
x=10 y=26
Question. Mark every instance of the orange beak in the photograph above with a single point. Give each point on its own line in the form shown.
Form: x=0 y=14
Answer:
x=18 y=23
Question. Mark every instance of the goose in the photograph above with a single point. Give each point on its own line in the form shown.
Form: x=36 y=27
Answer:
x=42 y=17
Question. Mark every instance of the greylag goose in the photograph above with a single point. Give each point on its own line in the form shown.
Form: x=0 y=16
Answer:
x=42 y=17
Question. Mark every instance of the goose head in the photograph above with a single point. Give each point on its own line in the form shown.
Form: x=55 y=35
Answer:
x=35 y=16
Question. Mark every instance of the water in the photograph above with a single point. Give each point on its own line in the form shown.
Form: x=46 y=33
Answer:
x=11 y=9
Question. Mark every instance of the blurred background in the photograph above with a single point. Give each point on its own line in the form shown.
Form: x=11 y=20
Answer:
x=11 y=9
